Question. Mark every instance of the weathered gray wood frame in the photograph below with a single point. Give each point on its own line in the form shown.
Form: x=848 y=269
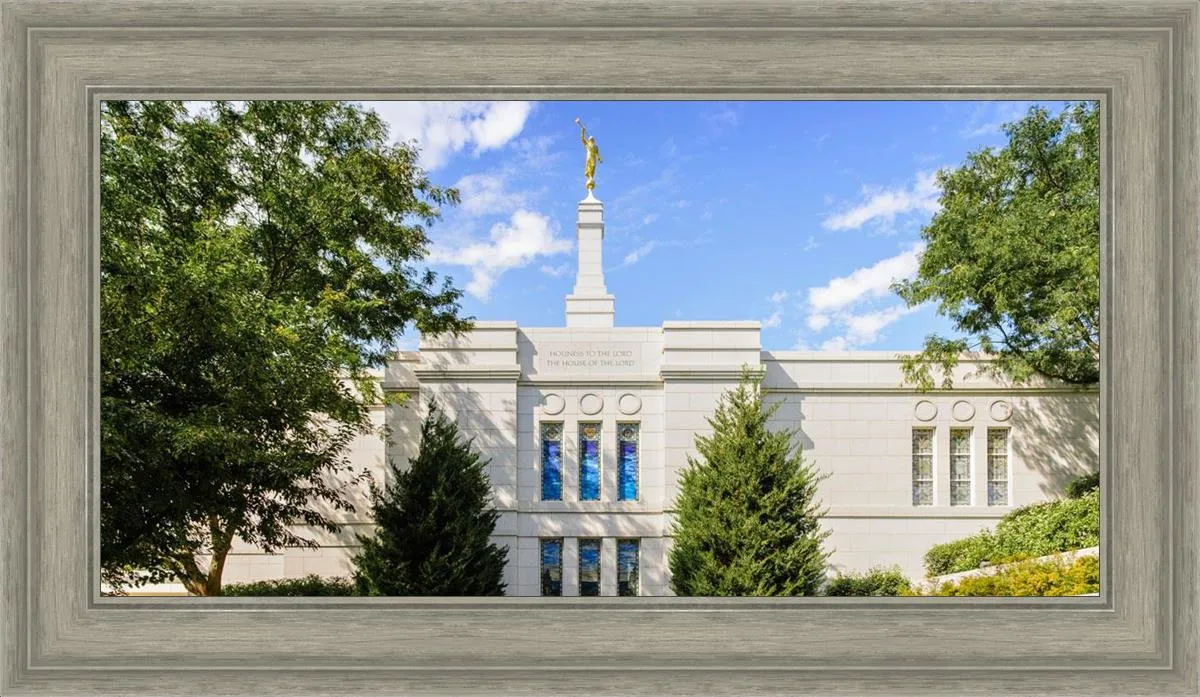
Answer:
x=60 y=59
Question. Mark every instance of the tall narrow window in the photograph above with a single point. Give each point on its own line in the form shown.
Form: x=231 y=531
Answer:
x=552 y=462
x=627 y=567
x=589 y=462
x=552 y=567
x=627 y=465
x=960 y=467
x=589 y=567
x=922 y=466
x=997 y=467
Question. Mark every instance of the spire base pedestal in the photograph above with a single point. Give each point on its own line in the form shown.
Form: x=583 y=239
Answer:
x=592 y=310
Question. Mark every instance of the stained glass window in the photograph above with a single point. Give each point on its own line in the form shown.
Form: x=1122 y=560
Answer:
x=627 y=567
x=552 y=462
x=922 y=466
x=960 y=467
x=589 y=462
x=552 y=567
x=627 y=462
x=997 y=467
x=589 y=567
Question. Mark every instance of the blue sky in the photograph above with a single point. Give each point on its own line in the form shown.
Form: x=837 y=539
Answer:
x=798 y=214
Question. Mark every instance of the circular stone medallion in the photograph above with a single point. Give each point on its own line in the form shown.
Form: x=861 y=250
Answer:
x=962 y=411
x=553 y=404
x=591 y=404
x=629 y=404
x=1000 y=410
x=925 y=410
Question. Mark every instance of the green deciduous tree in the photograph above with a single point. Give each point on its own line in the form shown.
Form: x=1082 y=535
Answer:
x=256 y=261
x=435 y=521
x=1013 y=256
x=748 y=522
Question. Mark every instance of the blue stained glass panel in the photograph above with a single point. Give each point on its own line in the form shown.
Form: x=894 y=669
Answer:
x=589 y=567
x=552 y=567
x=589 y=468
x=551 y=470
x=627 y=472
x=627 y=567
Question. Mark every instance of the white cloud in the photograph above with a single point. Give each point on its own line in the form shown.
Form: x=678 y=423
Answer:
x=443 y=129
x=866 y=283
x=640 y=253
x=817 y=322
x=838 y=304
x=864 y=329
x=859 y=330
x=886 y=204
x=989 y=118
x=633 y=204
x=811 y=244
x=773 y=321
x=778 y=296
x=650 y=218
x=722 y=118
x=527 y=236
x=485 y=193
x=556 y=271
x=837 y=343
x=535 y=153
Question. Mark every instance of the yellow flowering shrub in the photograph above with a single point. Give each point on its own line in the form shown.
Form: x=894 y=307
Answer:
x=1030 y=578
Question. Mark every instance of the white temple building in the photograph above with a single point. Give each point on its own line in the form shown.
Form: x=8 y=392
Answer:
x=588 y=425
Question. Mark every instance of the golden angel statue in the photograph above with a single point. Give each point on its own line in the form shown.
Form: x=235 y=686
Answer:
x=593 y=155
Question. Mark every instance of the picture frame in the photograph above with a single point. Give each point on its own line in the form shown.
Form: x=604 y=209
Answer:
x=1140 y=60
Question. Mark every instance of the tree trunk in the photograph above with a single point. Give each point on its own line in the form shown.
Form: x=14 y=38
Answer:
x=198 y=582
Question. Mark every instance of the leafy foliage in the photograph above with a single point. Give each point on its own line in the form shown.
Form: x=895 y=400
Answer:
x=1032 y=531
x=959 y=555
x=1013 y=257
x=255 y=262
x=1030 y=578
x=311 y=585
x=878 y=581
x=435 y=521
x=1083 y=484
x=748 y=522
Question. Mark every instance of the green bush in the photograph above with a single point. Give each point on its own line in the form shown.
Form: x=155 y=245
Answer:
x=878 y=581
x=959 y=555
x=1083 y=484
x=311 y=585
x=1033 y=531
x=1029 y=578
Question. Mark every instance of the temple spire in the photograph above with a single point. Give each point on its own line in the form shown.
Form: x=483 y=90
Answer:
x=589 y=304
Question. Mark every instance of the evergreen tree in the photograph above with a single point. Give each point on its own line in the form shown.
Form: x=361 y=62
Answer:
x=435 y=520
x=747 y=516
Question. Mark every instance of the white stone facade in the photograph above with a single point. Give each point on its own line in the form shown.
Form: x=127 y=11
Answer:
x=852 y=416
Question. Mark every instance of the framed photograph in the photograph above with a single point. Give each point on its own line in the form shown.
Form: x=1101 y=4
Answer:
x=228 y=465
